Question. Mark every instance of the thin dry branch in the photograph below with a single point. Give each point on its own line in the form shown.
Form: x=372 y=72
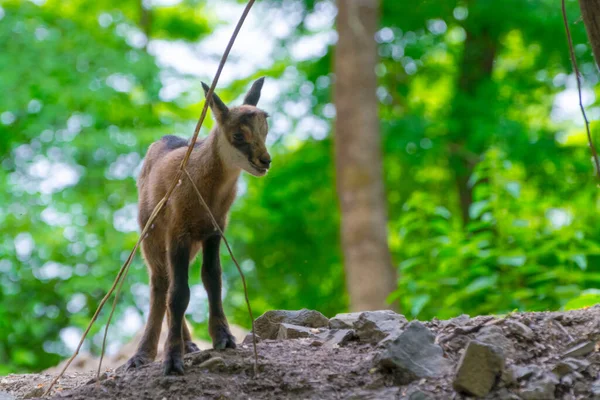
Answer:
x=218 y=228
x=577 y=77
x=159 y=207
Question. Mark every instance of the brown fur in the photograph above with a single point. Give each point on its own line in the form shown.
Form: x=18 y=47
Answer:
x=237 y=142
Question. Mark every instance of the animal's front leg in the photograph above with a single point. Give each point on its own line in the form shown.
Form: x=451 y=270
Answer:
x=158 y=300
x=179 y=297
x=211 y=277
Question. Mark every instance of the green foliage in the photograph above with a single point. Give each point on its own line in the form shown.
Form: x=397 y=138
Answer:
x=523 y=248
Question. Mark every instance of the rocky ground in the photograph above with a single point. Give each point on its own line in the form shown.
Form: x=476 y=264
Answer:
x=370 y=355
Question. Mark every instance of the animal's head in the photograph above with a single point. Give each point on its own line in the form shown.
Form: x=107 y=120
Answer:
x=244 y=129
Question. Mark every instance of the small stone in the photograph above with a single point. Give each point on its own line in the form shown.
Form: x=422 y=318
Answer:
x=198 y=358
x=338 y=337
x=248 y=339
x=581 y=388
x=524 y=372
x=479 y=367
x=213 y=364
x=570 y=365
x=567 y=380
x=508 y=376
x=414 y=355
x=541 y=388
x=595 y=389
x=504 y=394
x=494 y=336
x=289 y=331
x=418 y=394
x=267 y=325
x=374 y=326
x=520 y=329
x=456 y=321
x=36 y=392
x=580 y=350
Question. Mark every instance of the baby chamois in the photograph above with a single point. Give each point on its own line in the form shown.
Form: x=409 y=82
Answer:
x=236 y=142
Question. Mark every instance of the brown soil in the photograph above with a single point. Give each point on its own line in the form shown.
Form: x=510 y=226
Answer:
x=296 y=369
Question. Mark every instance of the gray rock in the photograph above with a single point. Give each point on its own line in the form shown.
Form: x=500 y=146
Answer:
x=248 y=339
x=503 y=394
x=456 y=321
x=580 y=350
x=213 y=364
x=338 y=337
x=494 y=336
x=581 y=389
x=417 y=394
x=374 y=326
x=541 y=388
x=267 y=325
x=6 y=396
x=414 y=355
x=567 y=380
x=595 y=389
x=289 y=331
x=478 y=369
x=344 y=321
x=569 y=365
x=519 y=329
x=35 y=392
x=524 y=372
x=508 y=377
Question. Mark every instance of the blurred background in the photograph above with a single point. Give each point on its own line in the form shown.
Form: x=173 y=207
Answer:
x=490 y=202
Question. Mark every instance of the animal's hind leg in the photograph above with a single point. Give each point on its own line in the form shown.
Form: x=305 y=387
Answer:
x=159 y=284
x=189 y=345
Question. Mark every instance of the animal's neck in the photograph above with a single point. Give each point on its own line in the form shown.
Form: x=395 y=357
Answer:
x=225 y=153
x=216 y=161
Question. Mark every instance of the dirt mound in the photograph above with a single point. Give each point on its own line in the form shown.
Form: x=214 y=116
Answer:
x=371 y=355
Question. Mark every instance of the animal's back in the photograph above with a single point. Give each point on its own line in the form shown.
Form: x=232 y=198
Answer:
x=158 y=169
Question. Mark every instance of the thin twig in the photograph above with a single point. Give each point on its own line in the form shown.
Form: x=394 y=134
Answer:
x=576 y=69
x=159 y=207
x=112 y=311
x=218 y=228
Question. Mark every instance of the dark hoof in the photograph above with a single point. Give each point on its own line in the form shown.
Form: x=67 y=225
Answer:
x=137 y=361
x=190 y=347
x=223 y=339
x=173 y=365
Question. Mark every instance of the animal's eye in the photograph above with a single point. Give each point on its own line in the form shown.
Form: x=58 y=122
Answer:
x=238 y=137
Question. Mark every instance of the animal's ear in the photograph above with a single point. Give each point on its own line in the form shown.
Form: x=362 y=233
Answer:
x=217 y=106
x=253 y=94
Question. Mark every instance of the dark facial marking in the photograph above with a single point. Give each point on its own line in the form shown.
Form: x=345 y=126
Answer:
x=238 y=137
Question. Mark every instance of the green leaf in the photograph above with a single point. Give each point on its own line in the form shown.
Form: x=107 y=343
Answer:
x=587 y=298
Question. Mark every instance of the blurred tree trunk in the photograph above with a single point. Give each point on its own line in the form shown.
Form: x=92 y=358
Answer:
x=590 y=10
x=466 y=144
x=370 y=276
x=145 y=20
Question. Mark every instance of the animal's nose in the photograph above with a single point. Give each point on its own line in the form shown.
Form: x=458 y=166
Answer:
x=265 y=160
